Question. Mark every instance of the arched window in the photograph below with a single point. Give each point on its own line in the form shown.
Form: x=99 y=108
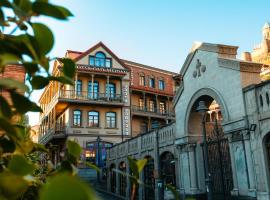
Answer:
x=93 y=119
x=77 y=118
x=95 y=93
x=100 y=60
x=168 y=168
x=111 y=120
x=110 y=90
x=261 y=101
x=149 y=179
x=267 y=98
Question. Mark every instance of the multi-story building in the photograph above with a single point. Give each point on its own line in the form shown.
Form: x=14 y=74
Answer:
x=105 y=105
x=151 y=91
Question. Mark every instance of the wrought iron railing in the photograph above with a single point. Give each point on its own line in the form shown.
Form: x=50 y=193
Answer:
x=161 y=112
x=85 y=95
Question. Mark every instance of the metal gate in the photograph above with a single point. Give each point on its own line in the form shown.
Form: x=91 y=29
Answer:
x=219 y=162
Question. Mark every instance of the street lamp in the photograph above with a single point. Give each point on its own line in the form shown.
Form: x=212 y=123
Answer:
x=98 y=157
x=202 y=109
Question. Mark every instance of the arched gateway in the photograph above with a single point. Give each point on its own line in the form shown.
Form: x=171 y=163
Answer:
x=219 y=161
x=237 y=126
x=211 y=73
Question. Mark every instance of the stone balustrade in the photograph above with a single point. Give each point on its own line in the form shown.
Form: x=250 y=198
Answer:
x=143 y=142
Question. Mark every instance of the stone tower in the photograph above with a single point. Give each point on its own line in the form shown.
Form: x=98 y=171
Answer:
x=266 y=31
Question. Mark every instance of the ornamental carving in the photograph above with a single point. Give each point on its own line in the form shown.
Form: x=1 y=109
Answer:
x=200 y=69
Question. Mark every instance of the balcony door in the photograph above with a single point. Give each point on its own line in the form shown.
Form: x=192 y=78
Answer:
x=110 y=90
x=93 y=94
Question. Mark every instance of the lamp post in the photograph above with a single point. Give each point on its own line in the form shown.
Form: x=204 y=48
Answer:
x=202 y=109
x=98 y=158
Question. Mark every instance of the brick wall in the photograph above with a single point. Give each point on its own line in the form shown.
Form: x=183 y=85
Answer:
x=16 y=72
x=168 y=79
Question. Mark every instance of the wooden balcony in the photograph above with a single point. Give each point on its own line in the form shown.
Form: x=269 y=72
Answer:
x=90 y=98
x=53 y=133
x=144 y=111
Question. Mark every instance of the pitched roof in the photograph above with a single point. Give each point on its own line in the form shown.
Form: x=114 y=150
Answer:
x=73 y=54
x=135 y=64
x=100 y=44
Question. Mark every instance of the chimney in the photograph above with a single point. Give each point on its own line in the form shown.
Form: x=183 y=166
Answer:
x=246 y=56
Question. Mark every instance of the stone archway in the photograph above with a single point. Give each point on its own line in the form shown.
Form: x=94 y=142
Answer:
x=218 y=146
x=168 y=168
x=208 y=94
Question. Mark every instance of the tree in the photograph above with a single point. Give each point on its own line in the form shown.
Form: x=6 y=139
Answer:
x=27 y=43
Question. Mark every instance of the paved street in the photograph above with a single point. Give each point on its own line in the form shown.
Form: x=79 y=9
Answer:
x=106 y=196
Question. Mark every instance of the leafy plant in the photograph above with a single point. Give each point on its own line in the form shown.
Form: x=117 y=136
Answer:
x=25 y=42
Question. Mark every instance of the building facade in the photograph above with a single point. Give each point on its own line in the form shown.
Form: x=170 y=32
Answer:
x=97 y=111
x=237 y=133
x=261 y=52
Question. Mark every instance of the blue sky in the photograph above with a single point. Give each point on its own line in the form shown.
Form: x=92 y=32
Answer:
x=154 y=32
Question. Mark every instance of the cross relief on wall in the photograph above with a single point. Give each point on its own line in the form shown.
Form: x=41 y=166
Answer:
x=200 y=69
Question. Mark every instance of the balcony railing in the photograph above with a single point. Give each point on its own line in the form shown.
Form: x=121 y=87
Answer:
x=155 y=111
x=85 y=95
x=91 y=68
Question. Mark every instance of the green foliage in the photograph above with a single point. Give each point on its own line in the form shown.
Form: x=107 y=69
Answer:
x=74 y=149
x=20 y=166
x=26 y=42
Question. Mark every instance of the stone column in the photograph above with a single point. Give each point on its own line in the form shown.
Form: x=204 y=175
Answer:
x=107 y=88
x=250 y=166
x=235 y=191
x=193 y=167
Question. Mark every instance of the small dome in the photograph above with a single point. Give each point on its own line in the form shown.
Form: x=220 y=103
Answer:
x=266 y=25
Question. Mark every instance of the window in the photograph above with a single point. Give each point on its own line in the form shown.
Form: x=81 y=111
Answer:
x=77 y=118
x=151 y=106
x=267 y=98
x=79 y=87
x=152 y=82
x=161 y=84
x=162 y=107
x=99 y=60
x=95 y=93
x=142 y=80
x=110 y=90
x=111 y=120
x=93 y=119
x=261 y=100
x=141 y=104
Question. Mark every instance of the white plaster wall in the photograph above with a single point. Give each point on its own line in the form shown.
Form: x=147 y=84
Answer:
x=226 y=82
